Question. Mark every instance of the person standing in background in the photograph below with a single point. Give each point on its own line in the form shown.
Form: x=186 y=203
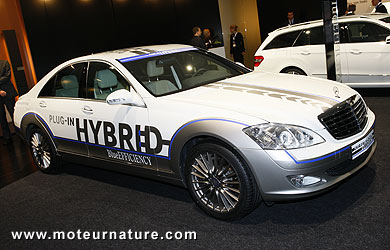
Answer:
x=207 y=38
x=7 y=98
x=379 y=7
x=237 y=48
x=210 y=39
x=291 y=19
x=197 y=40
x=350 y=10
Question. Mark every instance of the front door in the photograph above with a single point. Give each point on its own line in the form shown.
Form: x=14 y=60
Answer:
x=118 y=133
x=367 y=52
x=310 y=48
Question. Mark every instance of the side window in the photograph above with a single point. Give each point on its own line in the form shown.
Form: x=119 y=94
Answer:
x=68 y=82
x=313 y=36
x=49 y=89
x=386 y=19
x=283 y=40
x=104 y=79
x=363 y=32
x=344 y=37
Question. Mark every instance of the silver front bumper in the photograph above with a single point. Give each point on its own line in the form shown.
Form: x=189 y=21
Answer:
x=273 y=181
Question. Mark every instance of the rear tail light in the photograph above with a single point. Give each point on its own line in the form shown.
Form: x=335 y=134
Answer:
x=258 y=60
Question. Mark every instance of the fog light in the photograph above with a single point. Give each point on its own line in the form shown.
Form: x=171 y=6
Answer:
x=302 y=180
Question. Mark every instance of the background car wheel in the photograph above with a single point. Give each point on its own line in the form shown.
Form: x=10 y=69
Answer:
x=293 y=71
x=43 y=151
x=220 y=183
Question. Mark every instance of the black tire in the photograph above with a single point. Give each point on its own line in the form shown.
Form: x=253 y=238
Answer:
x=43 y=151
x=228 y=190
x=294 y=71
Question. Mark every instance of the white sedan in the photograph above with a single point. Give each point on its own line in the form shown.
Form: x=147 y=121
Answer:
x=188 y=117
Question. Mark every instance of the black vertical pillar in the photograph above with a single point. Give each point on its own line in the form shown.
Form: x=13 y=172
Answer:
x=16 y=61
x=329 y=39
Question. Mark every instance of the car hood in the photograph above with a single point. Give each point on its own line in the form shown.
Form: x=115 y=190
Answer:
x=278 y=98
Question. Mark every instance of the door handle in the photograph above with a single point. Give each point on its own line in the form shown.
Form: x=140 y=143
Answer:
x=42 y=104
x=87 y=110
x=356 y=52
x=305 y=53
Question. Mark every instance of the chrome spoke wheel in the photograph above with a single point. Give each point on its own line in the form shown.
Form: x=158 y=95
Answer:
x=40 y=150
x=215 y=182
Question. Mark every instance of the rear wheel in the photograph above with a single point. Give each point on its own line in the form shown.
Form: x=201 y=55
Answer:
x=43 y=151
x=293 y=71
x=219 y=183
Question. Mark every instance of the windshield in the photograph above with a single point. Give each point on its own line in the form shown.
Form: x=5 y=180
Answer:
x=386 y=19
x=174 y=72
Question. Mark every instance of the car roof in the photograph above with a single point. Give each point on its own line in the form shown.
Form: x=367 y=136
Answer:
x=136 y=52
x=375 y=16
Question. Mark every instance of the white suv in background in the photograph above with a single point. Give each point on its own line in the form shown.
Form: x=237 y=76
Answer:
x=364 y=50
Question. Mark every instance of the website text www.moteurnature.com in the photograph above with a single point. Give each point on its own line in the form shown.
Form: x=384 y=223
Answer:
x=103 y=235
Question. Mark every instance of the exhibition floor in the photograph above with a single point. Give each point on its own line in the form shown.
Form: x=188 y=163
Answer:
x=355 y=215
x=15 y=161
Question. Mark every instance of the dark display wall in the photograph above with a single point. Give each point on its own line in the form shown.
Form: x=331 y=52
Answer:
x=273 y=14
x=59 y=30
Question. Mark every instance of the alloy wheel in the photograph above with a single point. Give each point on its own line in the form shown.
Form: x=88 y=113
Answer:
x=41 y=150
x=215 y=182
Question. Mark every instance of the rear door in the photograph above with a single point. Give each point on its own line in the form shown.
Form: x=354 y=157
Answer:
x=60 y=103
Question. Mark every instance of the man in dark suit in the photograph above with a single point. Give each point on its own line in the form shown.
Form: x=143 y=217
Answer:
x=379 y=7
x=210 y=39
x=197 y=40
x=237 y=48
x=290 y=19
x=350 y=10
x=7 y=98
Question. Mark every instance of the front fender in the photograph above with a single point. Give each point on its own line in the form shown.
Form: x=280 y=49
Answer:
x=228 y=131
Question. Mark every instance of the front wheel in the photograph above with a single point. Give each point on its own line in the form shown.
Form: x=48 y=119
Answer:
x=220 y=183
x=43 y=152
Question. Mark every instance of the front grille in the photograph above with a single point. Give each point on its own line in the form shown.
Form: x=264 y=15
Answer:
x=345 y=119
x=347 y=165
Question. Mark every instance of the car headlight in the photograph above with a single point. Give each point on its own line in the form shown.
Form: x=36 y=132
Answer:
x=273 y=136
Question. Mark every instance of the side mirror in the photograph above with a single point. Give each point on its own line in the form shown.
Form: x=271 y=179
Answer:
x=124 y=96
x=388 y=40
